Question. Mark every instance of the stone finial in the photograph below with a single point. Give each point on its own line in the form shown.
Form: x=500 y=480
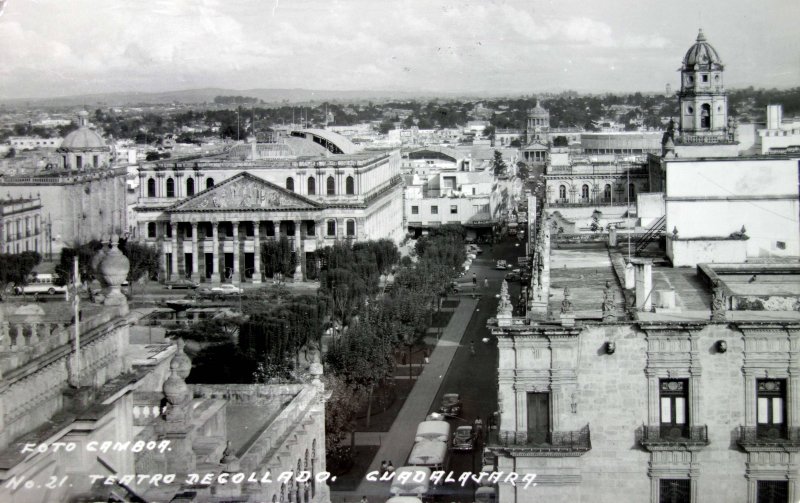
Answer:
x=115 y=268
x=566 y=305
x=181 y=363
x=504 y=309
x=175 y=389
x=675 y=232
x=228 y=456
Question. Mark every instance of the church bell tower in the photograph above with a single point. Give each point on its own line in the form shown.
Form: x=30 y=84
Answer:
x=703 y=100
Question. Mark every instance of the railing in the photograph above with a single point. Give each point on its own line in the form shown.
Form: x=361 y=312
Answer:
x=544 y=442
x=693 y=139
x=662 y=436
x=653 y=233
x=586 y=203
x=754 y=437
x=596 y=170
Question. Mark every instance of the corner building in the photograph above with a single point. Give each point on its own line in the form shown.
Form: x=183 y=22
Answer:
x=210 y=216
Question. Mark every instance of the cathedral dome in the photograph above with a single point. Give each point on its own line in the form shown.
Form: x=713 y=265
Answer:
x=84 y=137
x=701 y=53
x=538 y=111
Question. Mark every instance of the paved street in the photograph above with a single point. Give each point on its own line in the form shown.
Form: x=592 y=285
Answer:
x=452 y=369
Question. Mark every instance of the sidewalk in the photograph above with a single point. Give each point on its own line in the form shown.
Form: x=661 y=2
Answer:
x=395 y=445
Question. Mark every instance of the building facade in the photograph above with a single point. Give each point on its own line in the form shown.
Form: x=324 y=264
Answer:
x=21 y=226
x=82 y=194
x=210 y=216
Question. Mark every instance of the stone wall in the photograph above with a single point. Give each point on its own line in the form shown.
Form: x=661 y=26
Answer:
x=690 y=252
x=617 y=395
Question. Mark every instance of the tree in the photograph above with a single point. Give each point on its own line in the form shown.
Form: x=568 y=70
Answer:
x=385 y=126
x=498 y=164
x=144 y=261
x=560 y=141
x=522 y=170
x=488 y=132
x=15 y=269
x=277 y=257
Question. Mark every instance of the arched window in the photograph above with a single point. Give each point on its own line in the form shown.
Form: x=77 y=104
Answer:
x=151 y=187
x=209 y=183
x=632 y=192
x=562 y=192
x=349 y=186
x=331 y=228
x=607 y=192
x=705 y=116
x=290 y=184
x=585 y=191
x=331 y=186
x=190 y=186
x=170 y=187
x=151 y=229
x=351 y=228
x=312 y=186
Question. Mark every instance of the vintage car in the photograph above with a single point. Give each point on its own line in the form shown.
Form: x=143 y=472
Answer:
x=463 y=439
x=451 y=404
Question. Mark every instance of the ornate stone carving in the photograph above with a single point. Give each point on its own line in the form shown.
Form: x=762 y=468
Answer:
x=566 y=305
x=608 y=303
x=245 y=191
x=115 y=267
x=718 y=304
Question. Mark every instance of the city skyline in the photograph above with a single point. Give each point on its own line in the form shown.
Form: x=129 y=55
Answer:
x=468 y=48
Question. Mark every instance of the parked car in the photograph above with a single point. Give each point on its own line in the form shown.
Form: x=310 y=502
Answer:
x=512 y=276
x=226 y=289
x=501 y=265
x=451 y=404
x=473 y=248
x=463 y=439
x=180 y=283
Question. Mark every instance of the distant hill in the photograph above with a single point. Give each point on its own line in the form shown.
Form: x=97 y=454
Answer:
x=207 y=95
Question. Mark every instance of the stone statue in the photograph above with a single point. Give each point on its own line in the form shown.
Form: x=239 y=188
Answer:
x=227 y=455
x=608 y=303
x=718 y=304
x=566 y=305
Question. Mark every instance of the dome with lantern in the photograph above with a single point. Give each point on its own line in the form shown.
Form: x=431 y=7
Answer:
x=702 y=53
x=84 y=137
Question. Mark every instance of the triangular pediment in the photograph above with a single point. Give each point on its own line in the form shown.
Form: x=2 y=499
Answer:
x=245 y=191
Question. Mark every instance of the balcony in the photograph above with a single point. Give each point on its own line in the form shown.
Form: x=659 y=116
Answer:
x=753 y=438
x=548 y=443
x=668 y=438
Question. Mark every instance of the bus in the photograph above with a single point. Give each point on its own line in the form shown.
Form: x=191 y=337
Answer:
x=41 y=283
x=411 y=481
x=432 y=454
x=433 y=430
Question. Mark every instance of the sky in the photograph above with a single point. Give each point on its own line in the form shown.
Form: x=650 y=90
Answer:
x=68 y=47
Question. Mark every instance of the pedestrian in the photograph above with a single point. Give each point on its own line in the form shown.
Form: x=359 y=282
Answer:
x=427 y=355
x=364 y=500
x=383 y=467
x=474 y=279
x=390 y=467
x=486 y=282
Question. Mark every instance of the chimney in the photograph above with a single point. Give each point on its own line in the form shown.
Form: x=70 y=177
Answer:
x=643 y=273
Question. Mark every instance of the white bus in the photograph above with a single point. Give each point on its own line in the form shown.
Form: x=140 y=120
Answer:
x=433 y=430
x=431 y=454
x=41 y=283
x=411 y=481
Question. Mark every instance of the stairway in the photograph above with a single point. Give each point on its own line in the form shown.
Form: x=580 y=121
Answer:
x=654 y=232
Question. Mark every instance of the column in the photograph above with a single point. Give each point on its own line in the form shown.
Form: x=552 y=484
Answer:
x=174 y=274
x=235 y=275
x=142 y=185
x=299 y=270
x=256 y=253
x=215 y=250
x=160 y=191
x=164 y=263
x=178 y=185
x=195 y=251
x=277 y=225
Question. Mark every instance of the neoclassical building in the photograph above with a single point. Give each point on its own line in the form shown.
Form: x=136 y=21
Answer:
x=81 y=191
x=210 y=216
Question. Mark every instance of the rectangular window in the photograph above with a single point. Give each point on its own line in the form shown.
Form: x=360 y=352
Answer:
x=351 y=228
x=169 y=230
x=674 y=400
x=415 y=210
x=453 y=209
x=772 y=491
x=434 y=210
x=674 y=491
x=771 y=408
x=331 y=228
x=705 y=78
